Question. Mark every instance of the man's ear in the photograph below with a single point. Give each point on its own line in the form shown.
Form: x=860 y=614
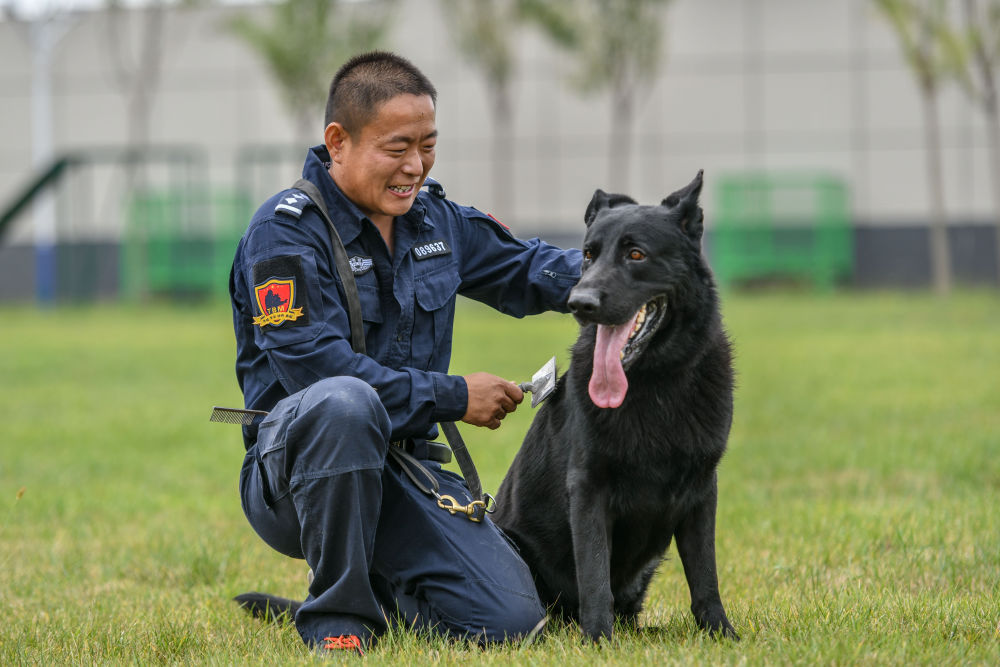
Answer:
x=335 y=136
x=602 y=200
x=684 y=203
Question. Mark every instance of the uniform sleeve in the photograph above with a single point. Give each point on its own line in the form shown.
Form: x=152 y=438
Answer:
x=312 y=342
x=513 y=276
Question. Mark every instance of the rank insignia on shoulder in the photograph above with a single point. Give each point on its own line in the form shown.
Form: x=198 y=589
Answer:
x=294 y=203
x=432 y=249
x=360 y=265
x=494 y=219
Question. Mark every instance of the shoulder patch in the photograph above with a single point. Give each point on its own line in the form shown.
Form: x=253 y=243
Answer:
x=432 y=249
x=293 y=203
x=491 y=222
x=276 y=293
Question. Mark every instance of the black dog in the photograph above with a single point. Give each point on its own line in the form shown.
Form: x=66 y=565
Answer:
x=622 y=457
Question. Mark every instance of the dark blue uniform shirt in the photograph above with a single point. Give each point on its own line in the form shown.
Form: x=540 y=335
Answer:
x=290 y=318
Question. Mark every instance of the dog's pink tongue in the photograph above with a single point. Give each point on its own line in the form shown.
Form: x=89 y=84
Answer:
x=608 y=383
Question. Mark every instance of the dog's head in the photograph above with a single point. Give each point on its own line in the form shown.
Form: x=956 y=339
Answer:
x=637 y=260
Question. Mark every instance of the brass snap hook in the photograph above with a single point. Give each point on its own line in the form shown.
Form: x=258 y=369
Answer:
x=473 y=511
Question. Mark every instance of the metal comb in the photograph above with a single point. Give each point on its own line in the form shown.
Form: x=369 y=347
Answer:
x=235 y=415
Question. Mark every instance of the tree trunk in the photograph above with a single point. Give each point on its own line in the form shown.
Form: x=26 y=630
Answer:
x=939 y=246
x=981 y=52
x=993 y=135
x=503 y=151
x=620 y=148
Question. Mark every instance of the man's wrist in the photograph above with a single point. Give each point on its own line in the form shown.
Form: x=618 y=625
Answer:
x=451 y=397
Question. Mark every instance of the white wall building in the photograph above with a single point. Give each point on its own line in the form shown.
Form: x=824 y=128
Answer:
x=782 y=85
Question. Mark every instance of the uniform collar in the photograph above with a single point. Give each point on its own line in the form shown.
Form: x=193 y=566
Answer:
x=347 y=217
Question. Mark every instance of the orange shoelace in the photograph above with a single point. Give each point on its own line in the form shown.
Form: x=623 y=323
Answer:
x=346 y=642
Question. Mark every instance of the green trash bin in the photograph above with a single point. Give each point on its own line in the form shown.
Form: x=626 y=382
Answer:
x=181 y=241
x=782 y=226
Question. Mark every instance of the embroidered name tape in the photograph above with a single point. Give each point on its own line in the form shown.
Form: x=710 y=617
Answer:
x=432 y=249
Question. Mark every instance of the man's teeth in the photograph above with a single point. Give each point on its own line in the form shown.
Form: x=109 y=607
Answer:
x=401 y=189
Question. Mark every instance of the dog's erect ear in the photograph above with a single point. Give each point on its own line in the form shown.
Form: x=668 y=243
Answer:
x=601 y=200
x=685 y=202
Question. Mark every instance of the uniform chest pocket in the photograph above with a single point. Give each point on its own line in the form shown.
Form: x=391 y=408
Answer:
x=371 y=305
x=435 y=316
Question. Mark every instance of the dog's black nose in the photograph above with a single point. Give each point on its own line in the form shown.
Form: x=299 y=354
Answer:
x=584 y=302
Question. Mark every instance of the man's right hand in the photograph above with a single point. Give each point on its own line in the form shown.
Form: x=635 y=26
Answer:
x=491 y=398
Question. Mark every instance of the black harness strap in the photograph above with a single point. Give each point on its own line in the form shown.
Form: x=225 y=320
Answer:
x=343 y=266
x=464 y=459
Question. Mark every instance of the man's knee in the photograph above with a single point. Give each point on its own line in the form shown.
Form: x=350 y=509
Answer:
x=514 y=620
x=352 y=402
x=341 y=425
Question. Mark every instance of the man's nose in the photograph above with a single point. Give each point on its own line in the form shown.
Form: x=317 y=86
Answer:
x=413 y=165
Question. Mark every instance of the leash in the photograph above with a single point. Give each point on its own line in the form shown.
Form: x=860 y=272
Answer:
x=474 y=511
x=480 y=503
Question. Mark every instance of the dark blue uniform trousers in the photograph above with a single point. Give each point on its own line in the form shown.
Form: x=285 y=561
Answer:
x=318 y=485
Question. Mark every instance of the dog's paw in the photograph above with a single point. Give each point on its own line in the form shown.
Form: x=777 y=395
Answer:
x=597 y=630
x=719 y=627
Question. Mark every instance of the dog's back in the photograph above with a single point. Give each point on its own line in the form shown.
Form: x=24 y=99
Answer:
x=622 y=457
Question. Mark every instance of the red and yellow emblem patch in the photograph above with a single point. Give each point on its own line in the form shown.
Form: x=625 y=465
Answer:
x=276 y=300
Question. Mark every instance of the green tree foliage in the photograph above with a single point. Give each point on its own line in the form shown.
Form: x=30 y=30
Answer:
x=304 y=43
x=617 y=47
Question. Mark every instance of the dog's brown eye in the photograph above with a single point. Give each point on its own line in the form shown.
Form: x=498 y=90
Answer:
x=636 y=254
x=587 y=255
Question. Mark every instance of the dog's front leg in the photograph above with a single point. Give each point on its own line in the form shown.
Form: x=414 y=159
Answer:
x=696 y=545
x=591 y=530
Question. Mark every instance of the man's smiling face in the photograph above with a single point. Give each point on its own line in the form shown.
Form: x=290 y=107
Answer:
x=382 y=168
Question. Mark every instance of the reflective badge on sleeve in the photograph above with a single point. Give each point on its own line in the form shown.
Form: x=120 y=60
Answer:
x=275 y=292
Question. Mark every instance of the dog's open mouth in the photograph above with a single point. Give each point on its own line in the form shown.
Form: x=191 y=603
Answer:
x=616 y=349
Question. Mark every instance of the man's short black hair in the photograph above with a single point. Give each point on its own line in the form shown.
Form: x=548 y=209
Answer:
x=368 y=80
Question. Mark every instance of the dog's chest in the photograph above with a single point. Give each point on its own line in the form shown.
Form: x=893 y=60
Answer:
x=645 y=471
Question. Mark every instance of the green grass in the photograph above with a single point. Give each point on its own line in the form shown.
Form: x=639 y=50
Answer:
x=858 y=514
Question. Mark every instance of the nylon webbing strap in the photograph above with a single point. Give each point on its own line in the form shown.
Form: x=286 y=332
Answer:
x=464 y=459
x=342 y=265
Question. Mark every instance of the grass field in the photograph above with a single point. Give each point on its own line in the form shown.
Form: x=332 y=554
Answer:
x=859 y=513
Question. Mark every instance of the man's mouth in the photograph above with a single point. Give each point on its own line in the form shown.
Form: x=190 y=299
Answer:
x=402 y=190
x=617 y=347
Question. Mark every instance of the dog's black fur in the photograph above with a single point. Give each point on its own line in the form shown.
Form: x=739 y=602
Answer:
x=595 y=494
